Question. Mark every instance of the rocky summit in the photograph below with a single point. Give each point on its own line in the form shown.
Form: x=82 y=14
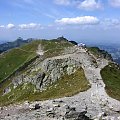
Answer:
x=61 y=83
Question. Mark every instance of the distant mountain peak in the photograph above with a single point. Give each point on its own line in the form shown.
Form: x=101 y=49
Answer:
x=62 y=38
x=19 y=39
x=17 y=43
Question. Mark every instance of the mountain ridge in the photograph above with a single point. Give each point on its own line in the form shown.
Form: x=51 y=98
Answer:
x=60 y=67
x=17 y=43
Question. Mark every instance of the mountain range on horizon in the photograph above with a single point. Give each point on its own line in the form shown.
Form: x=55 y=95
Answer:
x=17 y=43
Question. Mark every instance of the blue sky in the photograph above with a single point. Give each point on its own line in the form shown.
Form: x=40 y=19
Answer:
x=80 y=20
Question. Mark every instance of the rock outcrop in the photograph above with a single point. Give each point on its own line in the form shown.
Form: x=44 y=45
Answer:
x=47 y=72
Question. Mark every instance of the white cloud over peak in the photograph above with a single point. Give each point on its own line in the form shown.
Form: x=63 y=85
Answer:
x=114 y=3
x=10 y=26
x=84 y=20
x=29 y=26
x=62 y=2
x=90 y=5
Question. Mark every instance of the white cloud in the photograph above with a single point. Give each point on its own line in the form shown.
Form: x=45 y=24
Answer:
x=10 y=26
x=49 y=15
x=90 y=5
x=114 y=3
x=85 y=20
x=2 y=26
x=29 y=26
x=109 y=22
x=83 y=4
x=62 y=2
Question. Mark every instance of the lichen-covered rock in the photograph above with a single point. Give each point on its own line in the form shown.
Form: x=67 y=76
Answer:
x=7 y=90
x=38 y=81
x=72 y=114
x=70 y=70
x=46 y=72
x=17 y=80
x=37 y=106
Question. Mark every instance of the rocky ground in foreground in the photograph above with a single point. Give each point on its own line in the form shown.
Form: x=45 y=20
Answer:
x=91 y=104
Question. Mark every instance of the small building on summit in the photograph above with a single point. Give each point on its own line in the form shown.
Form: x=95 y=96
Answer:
x=81 y=45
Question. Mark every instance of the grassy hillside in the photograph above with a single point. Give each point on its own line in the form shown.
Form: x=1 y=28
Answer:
x=15 y=58
x=66 y=86
x=12 y=60
x=111 y=77
x=55 y=47
x=100 y=53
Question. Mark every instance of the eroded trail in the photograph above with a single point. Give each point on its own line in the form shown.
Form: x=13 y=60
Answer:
x=95 y=99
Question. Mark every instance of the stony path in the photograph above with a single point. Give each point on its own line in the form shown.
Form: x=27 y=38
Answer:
x=40 y=50
x=95 y=100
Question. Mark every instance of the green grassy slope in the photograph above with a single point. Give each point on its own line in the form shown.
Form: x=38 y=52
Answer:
x=66 y=86
x=111 y=77
x=13 y=59
x=55 y=47
x=100 y=53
